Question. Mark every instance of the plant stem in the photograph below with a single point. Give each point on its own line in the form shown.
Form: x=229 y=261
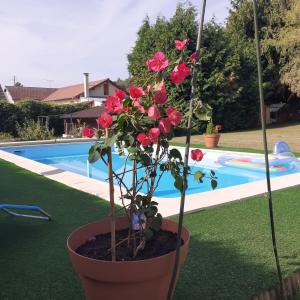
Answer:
x=186 y=158
x=152 y=182
x=112 y=202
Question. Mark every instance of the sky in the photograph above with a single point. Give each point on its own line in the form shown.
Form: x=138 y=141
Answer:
x=50 y=43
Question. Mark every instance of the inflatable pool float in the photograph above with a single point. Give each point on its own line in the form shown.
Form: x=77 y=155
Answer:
x=257 y=163
x=282 y=160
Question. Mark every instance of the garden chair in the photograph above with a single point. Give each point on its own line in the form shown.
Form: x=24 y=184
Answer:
x=12 y=209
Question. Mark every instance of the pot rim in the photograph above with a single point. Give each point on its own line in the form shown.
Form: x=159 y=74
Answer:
x=211 y=134
x=185 y=243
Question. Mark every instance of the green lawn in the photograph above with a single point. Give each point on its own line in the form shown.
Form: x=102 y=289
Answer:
x=252 y=139
x=230 y=255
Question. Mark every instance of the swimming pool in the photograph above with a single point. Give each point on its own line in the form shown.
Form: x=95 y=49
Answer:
x=73 y=157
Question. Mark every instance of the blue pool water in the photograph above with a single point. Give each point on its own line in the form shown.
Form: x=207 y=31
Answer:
x=73 y=157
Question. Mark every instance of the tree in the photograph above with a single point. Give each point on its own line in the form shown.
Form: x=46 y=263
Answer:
x=286 y=40
x=223 y=80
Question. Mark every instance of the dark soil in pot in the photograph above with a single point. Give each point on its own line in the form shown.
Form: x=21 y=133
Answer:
x=98 y=247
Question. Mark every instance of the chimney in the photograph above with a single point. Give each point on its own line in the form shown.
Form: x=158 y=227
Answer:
x=86 y=85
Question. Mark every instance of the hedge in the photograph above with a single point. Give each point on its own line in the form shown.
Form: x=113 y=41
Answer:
x=10 y=114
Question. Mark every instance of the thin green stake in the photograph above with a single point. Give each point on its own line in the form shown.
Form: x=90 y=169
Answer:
x=186 y=156
x=264 y=135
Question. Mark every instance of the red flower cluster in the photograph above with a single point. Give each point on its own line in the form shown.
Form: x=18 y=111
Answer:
x=105 y=120
x=197 y=155
x=180 y=73
x=88 y=132
x=113 y=105
x=161 y=96
x=158 y=63
x=180 y=45
x=165 y=118
x=174 y=116
x=135 y=92
x=147 y=140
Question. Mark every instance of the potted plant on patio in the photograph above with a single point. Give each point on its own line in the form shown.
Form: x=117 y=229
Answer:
x=212 y=135
x=132 y=257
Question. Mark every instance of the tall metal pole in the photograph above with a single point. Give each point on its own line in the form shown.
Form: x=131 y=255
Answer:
x=264 y=136
x=186 y=155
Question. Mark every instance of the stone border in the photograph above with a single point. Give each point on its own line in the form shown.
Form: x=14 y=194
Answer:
x=167 y=206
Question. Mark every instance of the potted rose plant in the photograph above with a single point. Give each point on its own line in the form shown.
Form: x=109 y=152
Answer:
x=212 y=135
x=132 y=256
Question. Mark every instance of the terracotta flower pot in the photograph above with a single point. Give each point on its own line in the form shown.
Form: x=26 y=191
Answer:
x=211 y=140
x=144 y=279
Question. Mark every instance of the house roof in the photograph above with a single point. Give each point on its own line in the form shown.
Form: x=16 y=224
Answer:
x=72 y=91
x=35 y=93
x=89 y=113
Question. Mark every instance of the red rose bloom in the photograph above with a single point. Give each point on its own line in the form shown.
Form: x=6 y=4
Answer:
x=177 y=77
x=161 y=96
x=180 y=45
x=120 y=94
x=105 y=120
x=183 y=69
x=88 y=132
x=170 y=109
x=197 y=155
x=157 y=63
x=135 y=92
x=154 y=134
x=153 y=112
x=143 y=139
x=175 y=117
x=165 y=125
x=113 y=105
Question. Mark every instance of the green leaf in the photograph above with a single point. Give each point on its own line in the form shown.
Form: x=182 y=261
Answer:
x=175 y=153
x=156 y=222
x=214 y=184
x=109 y=142
x=198 y=176
x=132 y=149
x=94 y=154
x=179 y=183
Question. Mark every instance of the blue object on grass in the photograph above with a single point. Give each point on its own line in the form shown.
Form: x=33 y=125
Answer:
x=12 y=208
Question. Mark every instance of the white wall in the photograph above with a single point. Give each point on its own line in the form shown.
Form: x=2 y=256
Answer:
x=99 y=91
x=8 y=95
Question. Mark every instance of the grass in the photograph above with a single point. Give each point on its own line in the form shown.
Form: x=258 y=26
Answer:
x=230 y=255
x=251 y=140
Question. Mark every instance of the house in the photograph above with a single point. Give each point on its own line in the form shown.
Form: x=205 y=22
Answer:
x=94 y=91
x=14 y=94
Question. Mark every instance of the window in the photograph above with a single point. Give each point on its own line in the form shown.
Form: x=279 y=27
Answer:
x=106 y=89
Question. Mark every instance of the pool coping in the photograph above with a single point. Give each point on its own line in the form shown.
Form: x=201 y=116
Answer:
x=167 y=206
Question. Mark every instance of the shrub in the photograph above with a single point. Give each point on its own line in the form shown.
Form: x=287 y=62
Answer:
x=4 y=136
x=9 y=115
x=32 y=130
